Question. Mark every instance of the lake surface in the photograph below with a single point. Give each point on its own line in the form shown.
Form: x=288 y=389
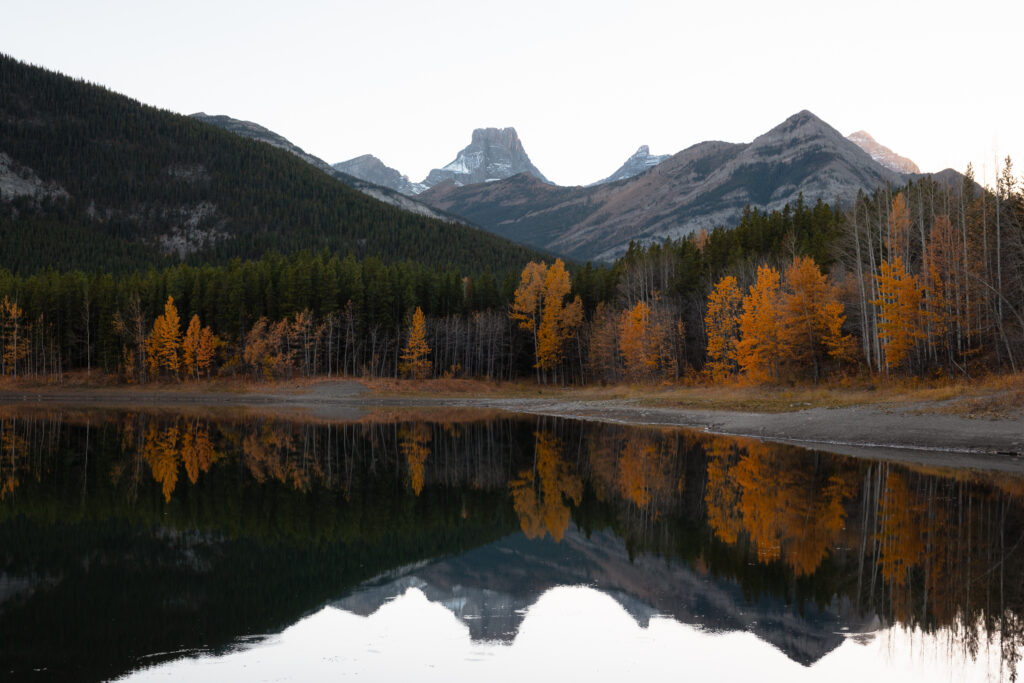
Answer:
x=466 y=546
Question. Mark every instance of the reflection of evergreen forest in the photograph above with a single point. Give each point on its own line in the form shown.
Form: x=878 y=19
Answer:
x=129 y=534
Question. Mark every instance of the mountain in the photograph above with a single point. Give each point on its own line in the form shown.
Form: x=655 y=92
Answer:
x=371 y=169
x=703 y=186
x=492 y=588
x=492 y=154
x=107 y=182
x=641 y=161
x=883 y=154
x=382 y=191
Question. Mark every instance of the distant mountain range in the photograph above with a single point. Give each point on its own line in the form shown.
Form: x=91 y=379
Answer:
x=492 y=154
x=704 y=186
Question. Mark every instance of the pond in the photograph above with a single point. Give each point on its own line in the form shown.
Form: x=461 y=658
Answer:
x=430 y=545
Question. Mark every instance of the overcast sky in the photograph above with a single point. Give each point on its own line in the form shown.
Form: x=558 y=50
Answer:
x=584 y=83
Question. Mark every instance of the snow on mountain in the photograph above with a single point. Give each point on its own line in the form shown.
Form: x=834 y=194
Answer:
x=492 y=154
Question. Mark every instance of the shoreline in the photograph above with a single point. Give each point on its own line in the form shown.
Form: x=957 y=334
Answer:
x=908 y=432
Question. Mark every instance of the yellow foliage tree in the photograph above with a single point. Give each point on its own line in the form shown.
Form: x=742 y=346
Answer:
x=539 y=306
x=13 y=337
x=899 y=303
x=163 y=345
x=812 y=317
x=198 y=347
x=414 y=361
x=722 y=325
x=760 y=344
x=642 y=342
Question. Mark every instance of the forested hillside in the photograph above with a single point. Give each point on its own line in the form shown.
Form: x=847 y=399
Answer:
x=92 y=179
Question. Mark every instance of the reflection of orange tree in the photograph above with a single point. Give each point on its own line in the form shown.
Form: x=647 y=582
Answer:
x=165 y=449
x=13 y=448
x=901 y=536
x=268 y=455
x=414 y=442
x=642 y=479
x=722 y=494
x=786 y=508
x=539 y=494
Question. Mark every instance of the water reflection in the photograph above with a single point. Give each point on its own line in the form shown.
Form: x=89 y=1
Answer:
x=129 y=535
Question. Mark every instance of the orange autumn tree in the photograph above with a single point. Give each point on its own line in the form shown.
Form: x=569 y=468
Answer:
x=163 y=345
x=642 y=341
x=540 y=307
x=198 y=347
x=812 y=317
x=14 y=345
x=899 y=304
x=722 y=324
x=760 y=344
x=414 y=361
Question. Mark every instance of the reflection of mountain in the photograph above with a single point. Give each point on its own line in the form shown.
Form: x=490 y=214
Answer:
x=490 y=589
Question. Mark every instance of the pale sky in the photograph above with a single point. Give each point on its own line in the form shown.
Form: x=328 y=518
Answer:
x=584 y=83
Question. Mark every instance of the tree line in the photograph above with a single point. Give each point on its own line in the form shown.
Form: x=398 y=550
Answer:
x=924 y=280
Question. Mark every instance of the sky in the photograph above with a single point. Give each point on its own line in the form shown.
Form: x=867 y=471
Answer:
x=583 y=83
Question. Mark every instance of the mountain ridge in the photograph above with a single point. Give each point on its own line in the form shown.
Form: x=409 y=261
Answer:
x=125 y=186
x=703 y=186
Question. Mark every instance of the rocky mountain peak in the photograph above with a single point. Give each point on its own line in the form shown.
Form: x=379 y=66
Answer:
x=883 y=154
x=371 y=169
x=492 y=154
x=642 y=160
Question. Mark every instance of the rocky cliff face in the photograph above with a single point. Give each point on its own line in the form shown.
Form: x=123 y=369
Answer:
x=883 y=154
x=492 y=154
x=641 y=161
x=703 y=186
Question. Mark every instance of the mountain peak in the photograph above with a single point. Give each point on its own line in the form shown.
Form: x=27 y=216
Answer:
x=882 y=154
x=642 y=160
x=492 y=154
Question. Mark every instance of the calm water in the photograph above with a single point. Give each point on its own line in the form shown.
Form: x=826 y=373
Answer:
x=457 y=547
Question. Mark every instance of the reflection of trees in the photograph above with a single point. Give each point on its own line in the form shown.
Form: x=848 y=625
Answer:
x=414 y=442
x=788 y=507
x=643 y=479
x=539 y=494
x=934 y=549
x=167 y=448
x=13 y=449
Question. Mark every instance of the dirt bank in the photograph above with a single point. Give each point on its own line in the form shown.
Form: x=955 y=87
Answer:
x=909 y=432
